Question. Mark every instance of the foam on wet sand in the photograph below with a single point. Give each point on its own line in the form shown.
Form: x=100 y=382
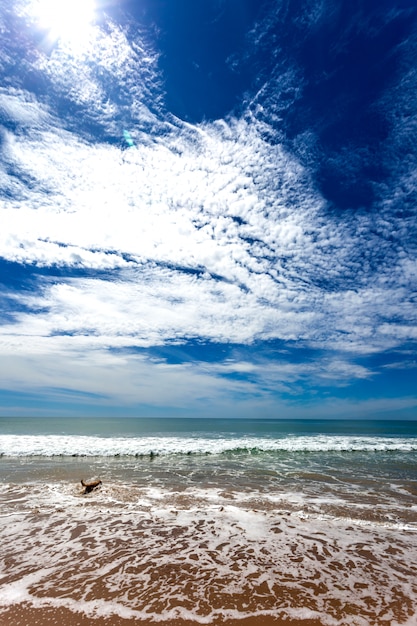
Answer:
x=126 y=554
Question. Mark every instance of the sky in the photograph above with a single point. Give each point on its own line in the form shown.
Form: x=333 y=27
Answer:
x=208 y=208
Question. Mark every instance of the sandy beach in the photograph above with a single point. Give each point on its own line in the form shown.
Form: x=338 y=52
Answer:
x=239 y=528
x=183 y=563
x=22 y=616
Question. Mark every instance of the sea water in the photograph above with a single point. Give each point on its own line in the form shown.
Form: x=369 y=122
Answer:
x=210 y=521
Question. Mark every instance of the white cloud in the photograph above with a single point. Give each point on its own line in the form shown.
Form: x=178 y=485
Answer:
x=22 y=107
x=201 y=231
x=203 y=199
x=75 y=371
x=152 y=307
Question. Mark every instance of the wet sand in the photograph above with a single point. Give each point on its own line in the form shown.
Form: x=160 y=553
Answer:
x=99 y=563
x=25 y=616
x=242 y=539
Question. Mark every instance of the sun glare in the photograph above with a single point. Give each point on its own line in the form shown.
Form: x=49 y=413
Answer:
x=65 y=19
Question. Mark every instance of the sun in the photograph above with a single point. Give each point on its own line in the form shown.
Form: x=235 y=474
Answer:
x=68 y=20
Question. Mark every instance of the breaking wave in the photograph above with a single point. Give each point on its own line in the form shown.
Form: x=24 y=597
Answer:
x=94 y=446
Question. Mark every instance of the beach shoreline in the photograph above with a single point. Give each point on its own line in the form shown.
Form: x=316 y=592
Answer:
x=252 y=528
x=95 y=562
x=23 y=615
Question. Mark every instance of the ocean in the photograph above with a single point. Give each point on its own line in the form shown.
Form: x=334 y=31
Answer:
x=234 y=522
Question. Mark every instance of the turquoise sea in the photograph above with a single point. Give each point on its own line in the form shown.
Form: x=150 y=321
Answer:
x=260 y=519
x=131 y=427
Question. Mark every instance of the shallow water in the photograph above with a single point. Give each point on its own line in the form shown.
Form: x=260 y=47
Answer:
x=309 y=528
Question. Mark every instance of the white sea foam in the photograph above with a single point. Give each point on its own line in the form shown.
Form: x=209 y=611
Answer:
x=193 y=559
x=67 y=445
x=214 y=528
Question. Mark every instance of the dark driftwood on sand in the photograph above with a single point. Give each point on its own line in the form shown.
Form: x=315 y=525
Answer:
x=90 y=486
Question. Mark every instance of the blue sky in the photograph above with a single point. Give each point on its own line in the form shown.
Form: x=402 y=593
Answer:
x=208 y=208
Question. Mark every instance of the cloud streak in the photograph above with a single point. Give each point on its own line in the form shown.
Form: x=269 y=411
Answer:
x=216 y=232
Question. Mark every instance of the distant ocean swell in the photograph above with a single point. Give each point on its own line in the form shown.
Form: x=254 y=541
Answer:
x=94 y=446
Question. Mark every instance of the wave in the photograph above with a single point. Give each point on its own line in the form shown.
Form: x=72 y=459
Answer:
x=94 y=446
